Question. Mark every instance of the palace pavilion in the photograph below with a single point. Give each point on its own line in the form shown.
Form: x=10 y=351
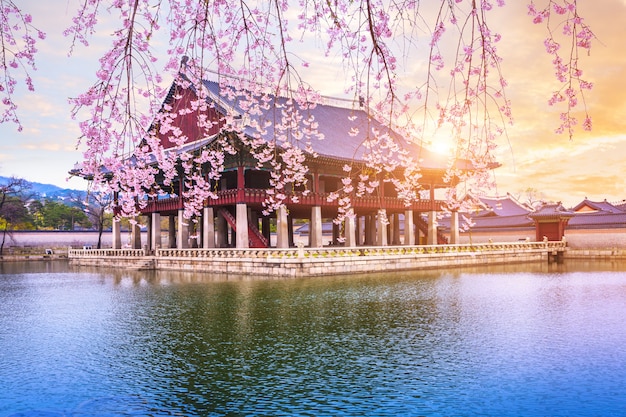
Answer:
x=238 y=218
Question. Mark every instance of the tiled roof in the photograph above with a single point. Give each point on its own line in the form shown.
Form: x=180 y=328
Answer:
x=597 y=206
x=555 y=210
x=505 y=206
x=338 y=126
x=591 y=220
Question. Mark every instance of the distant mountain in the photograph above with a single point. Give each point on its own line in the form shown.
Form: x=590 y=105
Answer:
x=41 y=191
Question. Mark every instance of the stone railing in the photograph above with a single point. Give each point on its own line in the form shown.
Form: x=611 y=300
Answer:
x=105 y=253
x=326 y=252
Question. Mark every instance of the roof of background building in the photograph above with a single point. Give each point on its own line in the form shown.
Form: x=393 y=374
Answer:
x=588 y=206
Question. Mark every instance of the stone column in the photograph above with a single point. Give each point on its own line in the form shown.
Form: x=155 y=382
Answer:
x=315 y=228
x=381 y=228
x=368 y=231
x=359 y=231
x=454 y=228
x=350 y=230
x=265 y=225
x=242 y=238
x=432 y=228
x=373 y=230
x=396 y=229
x=135 y=235
x=155 y=234
x=282 y=229
x=222 y=232
x=171 y=231
x=336 y=234
x=208 y=227
x=182 y=237
x=409 y=234
x=116 y=242
x=290 y=230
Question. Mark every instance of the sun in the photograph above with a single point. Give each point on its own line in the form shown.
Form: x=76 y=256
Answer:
x=441 y=145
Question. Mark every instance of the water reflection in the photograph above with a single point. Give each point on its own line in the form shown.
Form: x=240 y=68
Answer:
x=508 y=340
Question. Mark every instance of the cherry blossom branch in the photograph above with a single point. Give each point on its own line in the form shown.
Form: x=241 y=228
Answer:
x=18 y=46
x=567 y=70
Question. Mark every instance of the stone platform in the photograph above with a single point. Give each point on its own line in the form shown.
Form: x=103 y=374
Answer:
x=308 y=262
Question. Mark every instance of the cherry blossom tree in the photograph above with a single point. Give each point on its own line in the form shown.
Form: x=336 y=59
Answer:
x=253 y=48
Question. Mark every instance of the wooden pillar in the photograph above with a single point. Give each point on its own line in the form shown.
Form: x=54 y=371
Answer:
x=241 y=184
x=409 y=226
x=208 y=227
x=315 y=228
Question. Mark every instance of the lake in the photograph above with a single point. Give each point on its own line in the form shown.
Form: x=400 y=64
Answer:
x=522 y=340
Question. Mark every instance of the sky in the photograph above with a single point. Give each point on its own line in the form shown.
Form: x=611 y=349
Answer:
x=590 y=165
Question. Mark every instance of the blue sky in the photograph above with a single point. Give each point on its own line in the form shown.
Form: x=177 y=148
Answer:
x=591 y=165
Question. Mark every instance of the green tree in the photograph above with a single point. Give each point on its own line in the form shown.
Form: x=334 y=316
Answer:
x=58 y=216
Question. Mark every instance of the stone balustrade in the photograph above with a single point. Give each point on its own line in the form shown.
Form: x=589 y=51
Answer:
x=326 y=252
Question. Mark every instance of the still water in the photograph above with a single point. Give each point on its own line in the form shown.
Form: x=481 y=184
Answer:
x=519 y=341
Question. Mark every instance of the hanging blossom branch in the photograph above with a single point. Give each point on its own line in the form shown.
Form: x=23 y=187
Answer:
x=251 y=47
x=18 y=46
x=566 y=63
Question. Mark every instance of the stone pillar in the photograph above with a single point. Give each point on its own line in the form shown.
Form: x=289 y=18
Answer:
x=359 y=231
x=135 y=235
x=171 y=231
x=315 y=228
x=336 y=234
x=373 y=229
x=350 y=230
x=381 y=228
x=116 y=242
x=155 y=234
x=396 y=229
x=222 y=232
x=454 y=228
x=409 y=234
x=242 y=238
x=368 y=231
x=432 y=228
x=282 y=229
x=182 y=237
x=290 y=230
x=208 y=227
x=265 y=225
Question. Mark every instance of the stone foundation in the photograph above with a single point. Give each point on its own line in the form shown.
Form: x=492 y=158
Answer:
x=316 y=262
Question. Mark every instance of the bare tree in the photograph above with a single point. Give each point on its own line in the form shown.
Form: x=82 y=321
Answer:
x=12 y=205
